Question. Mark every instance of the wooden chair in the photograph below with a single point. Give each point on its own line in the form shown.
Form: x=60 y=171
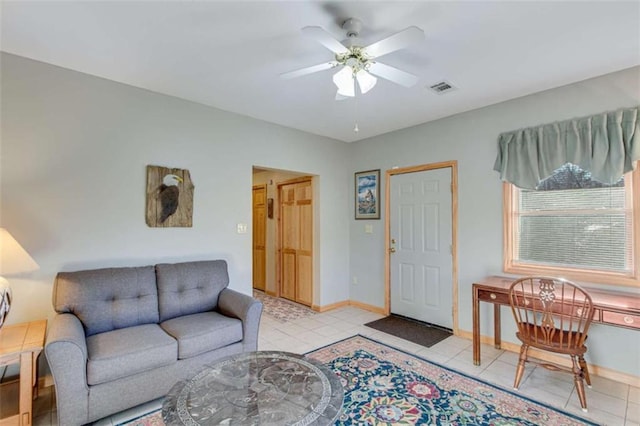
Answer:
x=554 y=315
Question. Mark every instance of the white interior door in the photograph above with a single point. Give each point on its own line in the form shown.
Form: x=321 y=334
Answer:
x=421 y=281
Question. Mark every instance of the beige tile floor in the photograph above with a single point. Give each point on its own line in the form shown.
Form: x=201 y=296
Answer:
x=611 y=403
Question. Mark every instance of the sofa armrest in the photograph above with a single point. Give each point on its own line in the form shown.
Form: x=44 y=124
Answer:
x=66 y=352
x=234 y=304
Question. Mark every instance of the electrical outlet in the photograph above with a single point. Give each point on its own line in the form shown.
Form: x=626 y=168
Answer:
x=355 y=280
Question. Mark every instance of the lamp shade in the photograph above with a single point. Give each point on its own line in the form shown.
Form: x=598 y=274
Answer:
x=13 y=258
x=344 y=82
x=366 y=81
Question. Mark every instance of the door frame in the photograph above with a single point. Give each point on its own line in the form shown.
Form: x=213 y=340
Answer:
x=254 y=187
x=453 y=165
x=279 y=236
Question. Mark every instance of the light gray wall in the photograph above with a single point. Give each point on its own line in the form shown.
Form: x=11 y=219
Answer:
x=471 y=139
x=73 y=157
x=72 y=183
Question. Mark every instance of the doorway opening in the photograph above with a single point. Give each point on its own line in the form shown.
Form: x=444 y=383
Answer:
x=285 y=213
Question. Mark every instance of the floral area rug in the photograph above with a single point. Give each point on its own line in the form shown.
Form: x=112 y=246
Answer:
x=280 y=309
x=385 y=386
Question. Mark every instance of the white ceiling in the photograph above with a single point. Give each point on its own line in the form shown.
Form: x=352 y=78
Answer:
x=229 y=54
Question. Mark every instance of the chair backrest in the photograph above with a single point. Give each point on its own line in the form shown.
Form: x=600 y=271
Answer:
x=551 y=312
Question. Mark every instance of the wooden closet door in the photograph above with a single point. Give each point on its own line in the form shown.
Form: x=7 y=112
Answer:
x=259 y=237
x=296 y=223
x=289 y=236
x=304 y=265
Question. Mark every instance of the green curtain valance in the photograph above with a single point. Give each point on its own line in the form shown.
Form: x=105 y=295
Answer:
x=607 y=145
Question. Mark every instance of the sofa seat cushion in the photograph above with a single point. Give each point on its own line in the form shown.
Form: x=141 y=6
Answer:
x=127 y=351
x=203 y=332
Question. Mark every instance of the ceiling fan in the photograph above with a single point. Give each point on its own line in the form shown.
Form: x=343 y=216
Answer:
x=359 y=64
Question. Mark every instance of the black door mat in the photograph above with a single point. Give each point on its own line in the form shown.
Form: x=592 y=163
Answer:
x=412 y=330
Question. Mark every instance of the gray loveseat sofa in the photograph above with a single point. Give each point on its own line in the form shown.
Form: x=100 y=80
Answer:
x=124 y=336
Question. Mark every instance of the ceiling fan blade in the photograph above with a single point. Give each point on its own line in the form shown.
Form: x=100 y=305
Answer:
x=393 y=74
x=308 y=70
x=325 y=39
x=399 y=40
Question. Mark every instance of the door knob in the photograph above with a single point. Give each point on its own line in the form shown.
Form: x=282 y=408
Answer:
x=392 y=250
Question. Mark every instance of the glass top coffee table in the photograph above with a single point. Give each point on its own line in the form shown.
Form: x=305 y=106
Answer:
x=256 y=388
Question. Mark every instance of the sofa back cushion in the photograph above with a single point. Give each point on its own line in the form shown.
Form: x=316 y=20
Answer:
x=190 y=287
x=108 y=299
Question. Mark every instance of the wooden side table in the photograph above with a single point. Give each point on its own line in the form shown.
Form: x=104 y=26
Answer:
x=22 y=343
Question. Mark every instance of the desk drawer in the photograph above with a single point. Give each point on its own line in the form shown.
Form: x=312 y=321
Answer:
x=622 y=320
x=494 y=297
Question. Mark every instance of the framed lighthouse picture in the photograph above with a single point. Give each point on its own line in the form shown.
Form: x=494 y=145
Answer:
x=368 y=194
x=169 y=198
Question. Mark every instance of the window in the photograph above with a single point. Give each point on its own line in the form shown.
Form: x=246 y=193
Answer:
x=574 y=227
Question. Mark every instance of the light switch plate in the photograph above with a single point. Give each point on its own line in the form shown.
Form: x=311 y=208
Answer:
x=368 y=229
x=242 y=228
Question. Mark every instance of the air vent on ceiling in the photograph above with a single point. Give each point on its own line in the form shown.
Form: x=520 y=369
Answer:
x=442 y=87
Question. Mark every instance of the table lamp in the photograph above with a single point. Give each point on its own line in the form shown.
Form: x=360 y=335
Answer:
x=13 y=260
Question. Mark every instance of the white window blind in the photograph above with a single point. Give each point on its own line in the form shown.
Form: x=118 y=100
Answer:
x=573 y=221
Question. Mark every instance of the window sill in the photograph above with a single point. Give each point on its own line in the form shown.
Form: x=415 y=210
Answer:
x=581 y=275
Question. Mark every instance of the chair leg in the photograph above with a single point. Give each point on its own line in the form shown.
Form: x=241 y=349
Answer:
x=585 y=370
x=520 y=370
x=578 y=380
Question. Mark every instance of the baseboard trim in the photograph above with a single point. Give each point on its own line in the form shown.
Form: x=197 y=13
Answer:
x=45 y=381
x=367 y=307
x=564 y=361
x=330 y=307
x=355 y=303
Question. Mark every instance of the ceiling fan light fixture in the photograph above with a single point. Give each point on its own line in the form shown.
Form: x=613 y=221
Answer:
x=359 y=63
x=366 y=81
x=343 y=79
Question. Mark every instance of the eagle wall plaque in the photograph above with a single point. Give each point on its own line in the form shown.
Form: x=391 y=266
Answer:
x=169 y=198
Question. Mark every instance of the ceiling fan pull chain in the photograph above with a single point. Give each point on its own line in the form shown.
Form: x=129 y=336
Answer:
x=355 y=106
